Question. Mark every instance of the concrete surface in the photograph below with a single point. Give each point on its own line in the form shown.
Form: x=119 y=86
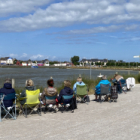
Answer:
x=106 y=121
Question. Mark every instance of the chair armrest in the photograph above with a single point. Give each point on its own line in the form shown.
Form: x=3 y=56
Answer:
x=22 y=98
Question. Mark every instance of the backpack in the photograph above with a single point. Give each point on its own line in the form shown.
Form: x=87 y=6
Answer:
x=114 y=92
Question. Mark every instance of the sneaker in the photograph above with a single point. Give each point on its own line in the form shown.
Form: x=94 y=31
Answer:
x=50 y=106
x=56 y=109
x=67 y=105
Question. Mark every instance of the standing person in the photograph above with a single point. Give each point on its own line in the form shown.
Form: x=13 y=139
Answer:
x=49 y=91
x=7 y=89
x=98 y=88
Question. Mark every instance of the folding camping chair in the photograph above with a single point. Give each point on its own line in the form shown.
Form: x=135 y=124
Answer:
x=32 y=102
x=123 y=85
x=7 y=110
x=67 y=102
x=105 y=91
x=82 y=93
x=51 y=105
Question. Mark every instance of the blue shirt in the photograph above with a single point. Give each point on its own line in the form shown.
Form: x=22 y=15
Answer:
x=77 y=83
x=105 y=82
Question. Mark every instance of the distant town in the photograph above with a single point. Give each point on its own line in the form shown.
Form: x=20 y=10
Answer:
x=74 y=62
x=46 y=62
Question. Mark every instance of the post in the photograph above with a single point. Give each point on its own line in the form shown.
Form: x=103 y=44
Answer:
x=13 y=83
x=90 y=70
x=128 y=72
x=15 y=109
x=0 y=107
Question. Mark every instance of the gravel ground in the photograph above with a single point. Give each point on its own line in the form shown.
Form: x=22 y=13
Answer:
x=105 y=121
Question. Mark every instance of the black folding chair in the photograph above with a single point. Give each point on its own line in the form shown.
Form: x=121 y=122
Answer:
x=105 y=91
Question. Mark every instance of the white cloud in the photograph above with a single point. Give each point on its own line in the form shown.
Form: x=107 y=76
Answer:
x=24 y=55
x=135 y=39
x=13 y=55
x=102 y=29
x=77 y=11
x=9 y=7
x=38 y=56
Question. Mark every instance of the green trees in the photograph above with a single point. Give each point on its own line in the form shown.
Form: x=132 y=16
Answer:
x=15 y=61
x=75 y=60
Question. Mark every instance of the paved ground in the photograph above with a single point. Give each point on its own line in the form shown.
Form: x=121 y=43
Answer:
x=106 y=121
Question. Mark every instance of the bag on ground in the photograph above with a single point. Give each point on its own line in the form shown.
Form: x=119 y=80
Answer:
x=114 y=92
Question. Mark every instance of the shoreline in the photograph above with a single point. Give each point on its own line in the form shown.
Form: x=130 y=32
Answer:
x=78 y=68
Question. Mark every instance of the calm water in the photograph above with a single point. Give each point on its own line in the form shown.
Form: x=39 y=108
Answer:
x=40 y=75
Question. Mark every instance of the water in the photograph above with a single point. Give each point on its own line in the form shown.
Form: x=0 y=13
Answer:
x=41 y=75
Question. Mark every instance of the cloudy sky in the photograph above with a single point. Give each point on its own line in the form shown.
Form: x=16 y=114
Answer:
x=60 y=29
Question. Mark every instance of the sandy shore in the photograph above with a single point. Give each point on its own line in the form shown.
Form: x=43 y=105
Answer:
x=105 y=121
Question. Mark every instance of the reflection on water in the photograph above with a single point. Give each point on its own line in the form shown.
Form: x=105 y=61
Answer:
x=40 y=75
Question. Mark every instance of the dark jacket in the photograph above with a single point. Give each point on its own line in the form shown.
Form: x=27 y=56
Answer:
x=23 y=94
x=65 y=91
x=7 y=89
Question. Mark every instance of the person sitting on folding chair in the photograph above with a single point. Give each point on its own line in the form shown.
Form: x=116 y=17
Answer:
x=98 y=90
x=49 y=94
x=117 y=80
x=67 y=91
x=79 y=82
x=7 y=89
x=29 y=85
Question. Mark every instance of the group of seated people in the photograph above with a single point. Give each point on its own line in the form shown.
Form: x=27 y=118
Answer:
x=52 y=91
x=117 y=80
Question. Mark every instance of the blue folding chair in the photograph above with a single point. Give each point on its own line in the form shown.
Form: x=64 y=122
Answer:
x=7 y=110
x=51 y=103
x=67 y=99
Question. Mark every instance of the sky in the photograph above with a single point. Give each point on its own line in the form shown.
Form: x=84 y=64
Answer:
x=60 y=29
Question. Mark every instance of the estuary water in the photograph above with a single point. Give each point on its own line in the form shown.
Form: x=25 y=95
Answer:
x=41 y=75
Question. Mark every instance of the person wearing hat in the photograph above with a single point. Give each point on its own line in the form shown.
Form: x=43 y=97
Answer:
x=79 y=82
x=98 y=90
x=117 y=80
x=117 y=77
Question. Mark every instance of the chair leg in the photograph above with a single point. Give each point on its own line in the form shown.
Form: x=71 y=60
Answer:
x=100 y=98
x=62 y=109
x=26 y=111
x=0 y=113
x=15 y=113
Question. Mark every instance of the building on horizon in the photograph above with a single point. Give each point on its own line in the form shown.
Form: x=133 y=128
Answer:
x=6 y=61
x=93 y=61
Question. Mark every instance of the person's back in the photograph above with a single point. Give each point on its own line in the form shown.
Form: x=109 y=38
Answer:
x=79 y=82
x=103 y=81
x=50 y=91
x=29 y=85
x=66 y=91
x=7 y=89
x=118 y=77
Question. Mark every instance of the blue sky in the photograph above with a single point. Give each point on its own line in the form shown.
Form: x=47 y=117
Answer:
x=58 y=30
